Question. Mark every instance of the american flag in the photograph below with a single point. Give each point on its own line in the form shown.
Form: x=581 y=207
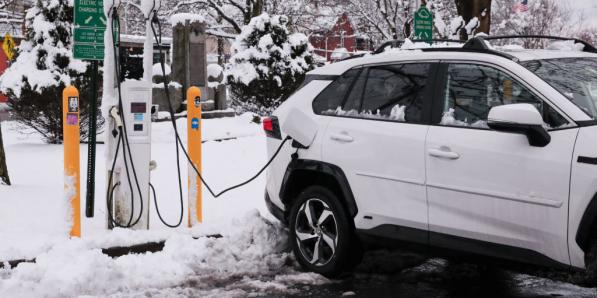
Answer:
x=522 y=6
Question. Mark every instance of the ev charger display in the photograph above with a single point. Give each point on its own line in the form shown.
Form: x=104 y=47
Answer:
x=137 y=105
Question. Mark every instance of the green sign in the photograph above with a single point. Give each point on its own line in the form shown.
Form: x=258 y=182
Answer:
x=90 y=25
x=424 y=24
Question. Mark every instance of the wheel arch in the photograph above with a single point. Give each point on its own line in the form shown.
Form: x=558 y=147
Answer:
x=302 y=173
x=587 y=230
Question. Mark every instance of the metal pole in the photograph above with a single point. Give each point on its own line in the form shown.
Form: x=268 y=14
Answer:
x=91 y=152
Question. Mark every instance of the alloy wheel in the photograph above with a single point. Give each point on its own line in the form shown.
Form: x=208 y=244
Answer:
x=316 y=232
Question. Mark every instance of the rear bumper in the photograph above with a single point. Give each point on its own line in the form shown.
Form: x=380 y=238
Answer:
x=275 y=210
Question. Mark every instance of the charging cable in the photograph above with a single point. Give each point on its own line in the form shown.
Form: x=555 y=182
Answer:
x=158 y=38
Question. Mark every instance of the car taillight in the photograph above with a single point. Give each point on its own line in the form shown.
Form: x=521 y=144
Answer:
x=271 y=126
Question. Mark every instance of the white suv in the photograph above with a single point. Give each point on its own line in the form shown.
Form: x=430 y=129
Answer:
x=471 y=150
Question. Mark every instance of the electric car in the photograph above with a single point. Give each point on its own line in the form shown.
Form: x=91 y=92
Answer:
x=475 y=150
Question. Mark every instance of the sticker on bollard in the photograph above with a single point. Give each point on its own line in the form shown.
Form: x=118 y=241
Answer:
x=197 y=102
x=72 y=119
x=73 y=104
x=195 y=124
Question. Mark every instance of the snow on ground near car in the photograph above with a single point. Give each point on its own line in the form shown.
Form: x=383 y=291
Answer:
x=32 y=212
x=251 y=252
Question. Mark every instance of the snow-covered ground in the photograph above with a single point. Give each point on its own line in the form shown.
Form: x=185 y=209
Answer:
x=251 y=259
x=34 y=215
x=33 y=223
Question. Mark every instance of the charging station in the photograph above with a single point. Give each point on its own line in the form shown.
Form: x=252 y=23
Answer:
x=131 y=177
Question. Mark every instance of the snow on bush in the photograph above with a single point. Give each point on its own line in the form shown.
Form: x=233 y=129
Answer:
x=268 y=63
x=43 y=67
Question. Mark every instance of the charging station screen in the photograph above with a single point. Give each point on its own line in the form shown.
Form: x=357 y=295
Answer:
x=138 y=107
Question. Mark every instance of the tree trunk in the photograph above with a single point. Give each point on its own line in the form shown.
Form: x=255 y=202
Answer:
x=3 y=168
x=481 y=9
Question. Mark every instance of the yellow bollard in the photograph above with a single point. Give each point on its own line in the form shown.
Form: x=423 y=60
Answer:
x=72 y=171
x=194 y=148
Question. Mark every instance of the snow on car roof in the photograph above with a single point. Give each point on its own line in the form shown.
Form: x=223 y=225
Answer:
x=396 y=55
x=526 y=55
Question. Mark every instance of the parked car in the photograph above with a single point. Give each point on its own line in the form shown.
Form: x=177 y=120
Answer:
x=469 y=150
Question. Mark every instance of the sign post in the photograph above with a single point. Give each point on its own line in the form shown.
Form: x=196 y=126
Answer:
x=72 y=171
x=194 y=143
x=90 y=27
x=424 y=24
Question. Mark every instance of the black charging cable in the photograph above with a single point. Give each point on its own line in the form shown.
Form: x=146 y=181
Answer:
x=122 y=139
x=179 y=143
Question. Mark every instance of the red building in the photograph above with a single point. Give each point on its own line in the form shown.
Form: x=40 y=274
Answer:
x=341 y=41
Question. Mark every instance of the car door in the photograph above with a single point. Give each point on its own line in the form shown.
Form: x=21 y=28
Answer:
x=493 y=187
x=377 y=136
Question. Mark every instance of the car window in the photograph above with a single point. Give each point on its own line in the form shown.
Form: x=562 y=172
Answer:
x=332 y=97
x=388 y=92
x=472 y=90
x=575 y=78
x=353 y=101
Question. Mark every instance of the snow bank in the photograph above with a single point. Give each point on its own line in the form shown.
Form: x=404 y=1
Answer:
x=249 y=260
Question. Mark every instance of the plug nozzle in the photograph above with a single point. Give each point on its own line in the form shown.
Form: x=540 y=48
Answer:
x=116 y=115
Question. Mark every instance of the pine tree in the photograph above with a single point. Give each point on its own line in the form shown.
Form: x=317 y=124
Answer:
x=43 y=68
x=269 y=64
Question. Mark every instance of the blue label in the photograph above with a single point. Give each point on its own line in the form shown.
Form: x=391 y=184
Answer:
x=139 y=117
x=195 y=124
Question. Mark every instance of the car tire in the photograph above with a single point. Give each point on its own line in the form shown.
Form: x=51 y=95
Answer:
x=321 y=234
x=591 y=263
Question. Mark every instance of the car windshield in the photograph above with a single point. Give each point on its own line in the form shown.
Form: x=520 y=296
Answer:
x=576 y=78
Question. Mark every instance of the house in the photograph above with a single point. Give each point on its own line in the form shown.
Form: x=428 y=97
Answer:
x=339 y=42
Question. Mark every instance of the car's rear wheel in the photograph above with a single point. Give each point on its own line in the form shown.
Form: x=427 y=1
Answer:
x=322 y=237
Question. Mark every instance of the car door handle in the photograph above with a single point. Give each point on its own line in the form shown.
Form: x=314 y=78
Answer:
x=341 y=137
x=444 y=153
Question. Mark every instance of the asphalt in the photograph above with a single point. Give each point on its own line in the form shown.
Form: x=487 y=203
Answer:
x=398 y=274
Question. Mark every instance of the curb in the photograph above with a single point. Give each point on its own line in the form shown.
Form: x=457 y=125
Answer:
x=115 y=252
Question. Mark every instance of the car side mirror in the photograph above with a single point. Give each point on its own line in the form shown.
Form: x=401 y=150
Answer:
x=520 y=118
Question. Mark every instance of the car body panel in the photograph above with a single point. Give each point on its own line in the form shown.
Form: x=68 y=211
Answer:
x=501 y=189
x=582 y=189
x=385 y=167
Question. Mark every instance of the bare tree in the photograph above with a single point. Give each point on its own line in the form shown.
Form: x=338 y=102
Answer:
x=543 y=17
x=229 y=15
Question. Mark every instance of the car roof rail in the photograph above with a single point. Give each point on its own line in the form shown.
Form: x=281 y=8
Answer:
x=478 y=42
x=397 y=43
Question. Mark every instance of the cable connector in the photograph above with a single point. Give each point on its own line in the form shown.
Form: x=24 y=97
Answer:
x=116 y=115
